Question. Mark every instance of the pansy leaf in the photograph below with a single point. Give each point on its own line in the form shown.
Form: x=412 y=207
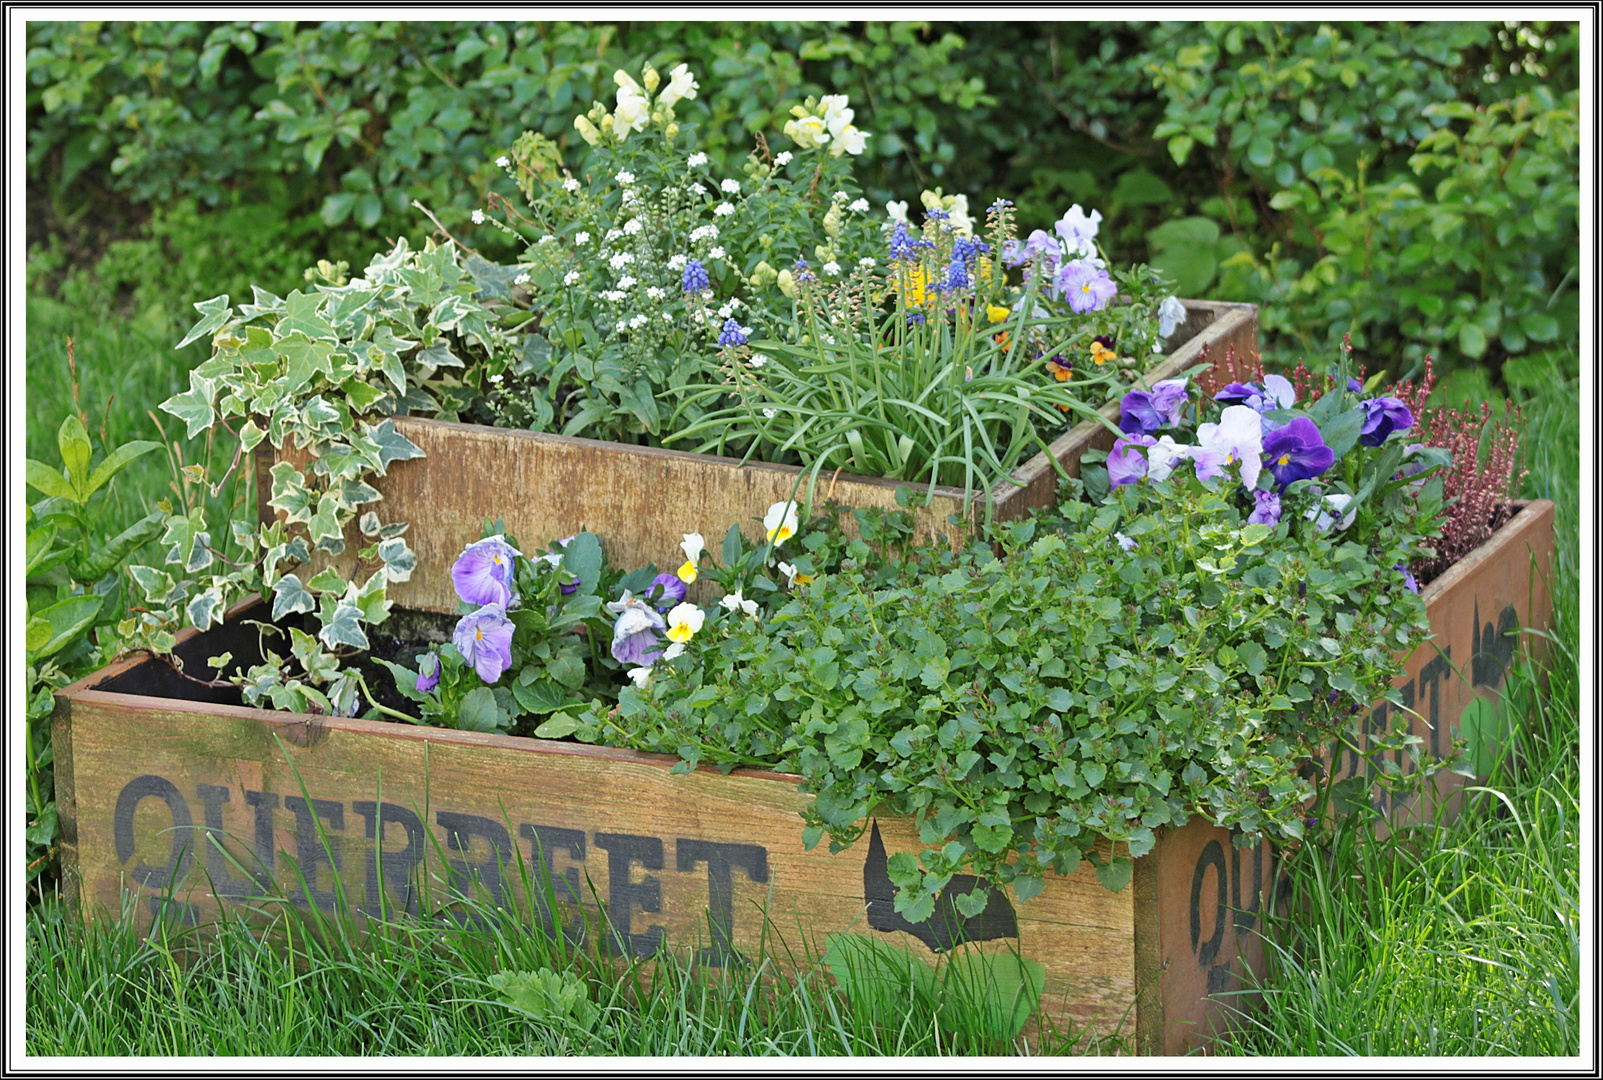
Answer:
x=582 y=557
x=480 y=712
x=291 y=597
x=1341 y=432
x=732 y=547
x=405 y=680
x=214 y=314
x=541 y=696
x=559 y=726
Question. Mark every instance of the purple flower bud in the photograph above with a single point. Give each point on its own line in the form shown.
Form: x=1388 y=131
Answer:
x=1382 y=417
x=484 y=639
x=428 y=673
x=1266 y=509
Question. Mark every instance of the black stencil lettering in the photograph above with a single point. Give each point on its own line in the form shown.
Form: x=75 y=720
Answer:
x=624 y=895
x=181 y=833
x=309 y=850
x=946 y=926
x=460 y=829
x=1430 y=677
x=722 y=860
x=1492 y=647
x=397 y=865
x=549 y=886
x=225 y=882
x=263 y=803
x=1212 y=855
x=1246 y=907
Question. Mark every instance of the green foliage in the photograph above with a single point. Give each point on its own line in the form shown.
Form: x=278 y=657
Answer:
x=547 y=997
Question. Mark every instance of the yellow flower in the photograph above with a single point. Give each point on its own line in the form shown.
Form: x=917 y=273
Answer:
x=1101 y=354
x=996 y=312
x=781 y=522
x=913 y=288
x=683 y=622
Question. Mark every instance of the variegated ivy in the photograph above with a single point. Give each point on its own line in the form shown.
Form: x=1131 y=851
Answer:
x=317 y=375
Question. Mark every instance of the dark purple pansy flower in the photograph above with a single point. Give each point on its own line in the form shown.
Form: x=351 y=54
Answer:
x=1126 y=463
x=1382 y=416
x=483 y=572
x=1237 y=394
x=1143 y=412
x=1354 y=385
x=484 y=639
x=665 y=591
x=428 y=673
x=1265 y=510
x=1296 y=452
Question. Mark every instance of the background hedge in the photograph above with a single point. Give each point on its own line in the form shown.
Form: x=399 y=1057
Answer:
x=1412 y=185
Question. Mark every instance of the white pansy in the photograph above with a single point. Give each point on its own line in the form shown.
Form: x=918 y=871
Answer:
x=684 y=621
x=1171 y=313
x=692 y=545
x=731 y=186
x=736 y=602
x=641 y=677
x=1324 y=520
x=781 y=522
x=794 y=577
x=676 y=649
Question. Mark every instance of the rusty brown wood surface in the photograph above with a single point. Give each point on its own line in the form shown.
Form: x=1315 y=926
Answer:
x=642 y=500
x=677 y=861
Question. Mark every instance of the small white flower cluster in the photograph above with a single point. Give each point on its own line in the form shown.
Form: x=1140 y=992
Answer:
x=723 y=209
x=730 y=186
x=859 y=207
x=523 y=279
x=621 y=259
x=613 y=234
x=625 y=177
x=570 y=184
x=677 y=262
x=716 y=252
x=782 y=159
x=627 y=282
x=832 y=268
x=703 y=232
x=757 y=360
x=697 y=186
x=614 y=296
x=654 y=292
x=696 y=160
x=548 y=239
x=571 y=278
x=502 y=161
x=733 y=304
x=581 y=239
x=478 y=217
x=632 y=227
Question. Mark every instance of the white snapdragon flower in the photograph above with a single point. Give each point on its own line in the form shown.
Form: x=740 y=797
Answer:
x=681 y=85
x=808 y=132
x=696 y=160
x=851 y=141
x=478 y=217
x=632 y=114
x=897 y=211
x=641 y=677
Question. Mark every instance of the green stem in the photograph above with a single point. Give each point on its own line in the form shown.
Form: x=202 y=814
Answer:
x=362 y=682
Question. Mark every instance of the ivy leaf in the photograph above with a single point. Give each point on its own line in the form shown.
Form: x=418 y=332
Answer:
x=398 y=559
x=205 y=608
x=290 y=597
x=290 y=494
x=193 y=406
x=214 y=314
x=494 y=281
x=372 y=600
x=301 y=317
x=157 y=585
x=344 y=627
x=328 y=580
x=392 y=445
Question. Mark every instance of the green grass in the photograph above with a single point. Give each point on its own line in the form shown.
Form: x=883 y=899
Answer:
x=1456 y=939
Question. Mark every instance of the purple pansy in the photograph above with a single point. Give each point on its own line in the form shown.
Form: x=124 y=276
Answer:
x=1041 y=247
x=483 y=572
x=1382 y=416
x=1126 y=463
x=1086 y=286
x=1237 y=394
x=1296 y=452
x=1408 y=578
x=665 y=591
x=634 y=635
x=1236 y=439
x=1265 y=510
x=1144 y=412
x=484 y=639
x=428 y=673
x=1275 y=393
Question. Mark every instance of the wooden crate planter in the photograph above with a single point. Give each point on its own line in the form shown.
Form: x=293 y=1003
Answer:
x=143 y=778
x=640 y=500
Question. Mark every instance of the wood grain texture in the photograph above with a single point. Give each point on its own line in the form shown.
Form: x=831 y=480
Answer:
x=641 y=500
x=674 y=859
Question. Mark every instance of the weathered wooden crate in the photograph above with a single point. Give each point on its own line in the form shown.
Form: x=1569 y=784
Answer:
x=174 y=798
x=641 y=500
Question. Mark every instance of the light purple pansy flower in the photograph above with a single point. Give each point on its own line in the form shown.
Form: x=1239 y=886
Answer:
x=1041 y=246
x=1124 y=541
x=1382 y=417
x=484 y=639
x=635 y=634
x=1078 y=231
x=1265 y=510
x=428 y=673
x=483 y=572
x=1085 y=286
x=1126 y=464
x=1408 y=578
x=1236 y=438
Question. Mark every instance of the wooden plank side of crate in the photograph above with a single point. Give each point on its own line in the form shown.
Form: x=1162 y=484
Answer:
x=690 y=860
x=1213 y=328
x=1481 y=610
